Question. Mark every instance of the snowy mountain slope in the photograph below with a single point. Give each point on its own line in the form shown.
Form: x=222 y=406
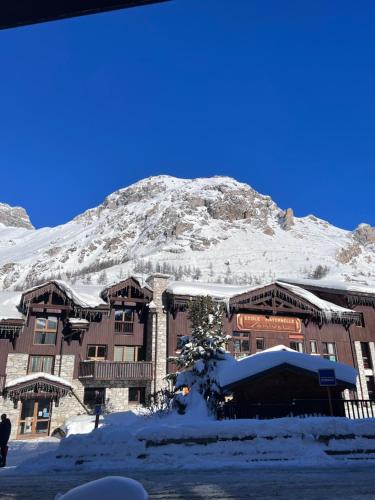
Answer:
x=214 y=229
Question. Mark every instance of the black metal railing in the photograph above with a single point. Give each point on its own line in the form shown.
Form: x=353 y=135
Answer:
x=299 y=407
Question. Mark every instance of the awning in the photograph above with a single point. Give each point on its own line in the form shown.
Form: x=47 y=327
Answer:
x=37 y=385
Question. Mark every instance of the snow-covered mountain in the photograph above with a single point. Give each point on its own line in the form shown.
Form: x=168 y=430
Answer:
x=213 y=229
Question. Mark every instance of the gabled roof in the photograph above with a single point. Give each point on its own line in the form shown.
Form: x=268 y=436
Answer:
x=252 y=366
x=236 y=295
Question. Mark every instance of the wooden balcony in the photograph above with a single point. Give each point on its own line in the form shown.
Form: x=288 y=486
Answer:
x=114 y=370
x=2 y=382
x=124 y=326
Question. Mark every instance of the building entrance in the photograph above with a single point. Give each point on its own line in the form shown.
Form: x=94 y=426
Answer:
x=35 y=418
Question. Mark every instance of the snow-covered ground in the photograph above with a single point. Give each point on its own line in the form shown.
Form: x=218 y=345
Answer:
x=126 y=441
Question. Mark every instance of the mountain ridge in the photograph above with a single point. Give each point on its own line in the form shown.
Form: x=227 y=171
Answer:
x=222 y=229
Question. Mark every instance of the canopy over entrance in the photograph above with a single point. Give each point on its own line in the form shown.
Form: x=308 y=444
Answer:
x=15 y=13
x=37 y=385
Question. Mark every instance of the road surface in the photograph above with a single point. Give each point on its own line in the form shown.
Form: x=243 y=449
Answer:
x=350 y=482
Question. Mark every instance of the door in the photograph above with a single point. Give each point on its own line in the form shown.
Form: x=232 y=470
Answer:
x=35 y=418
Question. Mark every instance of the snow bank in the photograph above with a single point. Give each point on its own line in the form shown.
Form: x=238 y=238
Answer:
x=126 y=442
x=113 y=487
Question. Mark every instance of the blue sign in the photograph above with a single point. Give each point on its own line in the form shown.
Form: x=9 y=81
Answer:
x=98 y=409
x=327 y=378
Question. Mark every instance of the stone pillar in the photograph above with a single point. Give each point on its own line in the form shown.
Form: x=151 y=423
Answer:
x=157 y=341
x=361 y=384
x=16 y=366
x=69 y=405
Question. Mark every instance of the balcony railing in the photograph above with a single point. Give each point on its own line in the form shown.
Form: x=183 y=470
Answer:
x=124 y=326
x=114 y=370
x=2 y=382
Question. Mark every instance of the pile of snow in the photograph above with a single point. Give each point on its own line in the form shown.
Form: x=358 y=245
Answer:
x=113 y=487
x=130 y=442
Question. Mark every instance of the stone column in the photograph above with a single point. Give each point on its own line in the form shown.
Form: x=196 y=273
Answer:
x=361 y=384
x=157 y=331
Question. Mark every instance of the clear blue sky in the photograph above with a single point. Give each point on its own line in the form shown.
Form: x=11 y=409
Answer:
x=280 y=95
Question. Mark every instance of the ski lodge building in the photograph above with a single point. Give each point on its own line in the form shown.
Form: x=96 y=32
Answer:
x=63 y=348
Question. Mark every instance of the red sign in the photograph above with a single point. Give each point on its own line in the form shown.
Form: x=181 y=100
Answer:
x=262 y=323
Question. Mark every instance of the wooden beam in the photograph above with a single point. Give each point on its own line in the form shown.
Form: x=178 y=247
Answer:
x=14 y=13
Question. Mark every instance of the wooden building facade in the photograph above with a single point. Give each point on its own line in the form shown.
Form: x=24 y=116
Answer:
x=63 y=350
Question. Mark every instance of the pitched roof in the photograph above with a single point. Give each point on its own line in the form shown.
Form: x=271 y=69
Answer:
x=246 y=368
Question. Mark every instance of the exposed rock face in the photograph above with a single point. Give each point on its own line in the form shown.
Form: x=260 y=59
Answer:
x=14 y=216
x=347 y=254
x=287 y=220
x=196 y=226
x=364 y=234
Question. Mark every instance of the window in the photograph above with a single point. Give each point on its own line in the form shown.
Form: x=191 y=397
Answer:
x=297 y=346
x=329 y=351
x=370 y=387
x=124 y=319
x=260 y=344
x=313 y=347
x=128 y=353
x=45 y=330
x=96 y=352
x=137 y=395
x=366 y=355
x=94 y=396
x=41 y=364
x=241 y=344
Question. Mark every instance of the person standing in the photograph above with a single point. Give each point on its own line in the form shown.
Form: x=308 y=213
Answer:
x=5 y=428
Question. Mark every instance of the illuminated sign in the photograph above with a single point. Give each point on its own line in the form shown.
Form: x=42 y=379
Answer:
x=262 y=323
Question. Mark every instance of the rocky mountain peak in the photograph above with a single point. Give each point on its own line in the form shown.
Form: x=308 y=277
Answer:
x=364 y=234
x=206 y=228
x=14 y=217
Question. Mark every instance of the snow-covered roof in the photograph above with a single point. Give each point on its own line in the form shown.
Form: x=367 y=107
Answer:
x=226 y=292
x=34 y=376
x=139 y=279
x=344 y=286
x=85 y=296
x=323 y=305
x=215 y=290
x=270 y=358
x=8 y=305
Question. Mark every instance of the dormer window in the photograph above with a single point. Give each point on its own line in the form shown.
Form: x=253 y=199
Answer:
x=124 y=320
x=45 y=330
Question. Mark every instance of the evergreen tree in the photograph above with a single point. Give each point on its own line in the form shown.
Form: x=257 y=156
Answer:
x=200 y=355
